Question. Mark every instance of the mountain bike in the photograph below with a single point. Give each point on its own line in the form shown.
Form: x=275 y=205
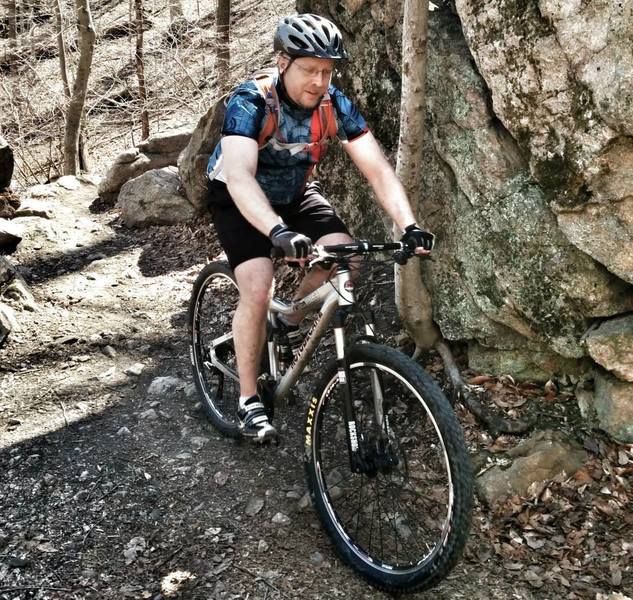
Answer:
x=385 y=458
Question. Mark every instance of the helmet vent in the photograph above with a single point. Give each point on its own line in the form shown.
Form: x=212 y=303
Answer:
x=298 y=42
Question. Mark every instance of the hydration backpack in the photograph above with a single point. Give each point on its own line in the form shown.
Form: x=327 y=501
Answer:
x=323 y=127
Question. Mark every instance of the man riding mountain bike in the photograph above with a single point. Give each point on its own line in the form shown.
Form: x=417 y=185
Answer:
x=276 y=129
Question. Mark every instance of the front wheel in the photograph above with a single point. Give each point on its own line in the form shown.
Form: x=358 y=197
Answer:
x=402 y=517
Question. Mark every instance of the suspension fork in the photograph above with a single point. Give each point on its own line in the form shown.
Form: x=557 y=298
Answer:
x=344 y=378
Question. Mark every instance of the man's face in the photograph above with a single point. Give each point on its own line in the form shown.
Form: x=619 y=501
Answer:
x=307 y=79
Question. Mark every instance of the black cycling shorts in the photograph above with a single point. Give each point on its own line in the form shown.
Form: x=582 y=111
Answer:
x=311 y=214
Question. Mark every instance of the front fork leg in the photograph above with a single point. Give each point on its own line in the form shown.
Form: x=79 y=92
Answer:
x=357 y=461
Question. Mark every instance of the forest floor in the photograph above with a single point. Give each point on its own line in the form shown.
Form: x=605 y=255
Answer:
x=108 y=492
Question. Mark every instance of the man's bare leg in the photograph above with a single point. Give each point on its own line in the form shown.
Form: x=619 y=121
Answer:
x=254 y=280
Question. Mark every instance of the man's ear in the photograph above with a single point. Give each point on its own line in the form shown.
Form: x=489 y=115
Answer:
x=282 y=63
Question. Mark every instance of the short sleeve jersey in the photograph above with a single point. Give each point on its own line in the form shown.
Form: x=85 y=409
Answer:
x=281 y=175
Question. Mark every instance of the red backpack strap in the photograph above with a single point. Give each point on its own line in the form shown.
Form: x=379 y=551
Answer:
x=328 y=118
x=265 y=82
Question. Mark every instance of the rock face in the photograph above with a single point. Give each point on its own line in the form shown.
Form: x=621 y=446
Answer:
x=158 y=151
x=528 y=181
x=566 y=95
x=153 y=199
x=542 y=457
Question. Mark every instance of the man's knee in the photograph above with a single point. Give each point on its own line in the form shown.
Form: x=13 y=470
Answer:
x=255 y=282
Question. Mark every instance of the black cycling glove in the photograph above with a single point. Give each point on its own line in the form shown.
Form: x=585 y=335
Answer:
x=293 y=245
x=415 y=237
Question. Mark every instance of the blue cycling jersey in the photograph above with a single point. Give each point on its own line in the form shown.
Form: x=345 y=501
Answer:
x=281 y=174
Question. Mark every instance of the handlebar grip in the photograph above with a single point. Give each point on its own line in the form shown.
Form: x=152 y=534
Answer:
x=276 y=252
x=401 y=256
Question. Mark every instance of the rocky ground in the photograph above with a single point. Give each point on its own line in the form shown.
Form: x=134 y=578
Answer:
x=114 y=485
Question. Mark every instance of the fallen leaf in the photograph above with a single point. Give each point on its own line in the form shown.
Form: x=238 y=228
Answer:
x=479 y=379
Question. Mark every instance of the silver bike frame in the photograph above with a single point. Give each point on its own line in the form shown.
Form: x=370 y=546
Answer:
x=329 y=296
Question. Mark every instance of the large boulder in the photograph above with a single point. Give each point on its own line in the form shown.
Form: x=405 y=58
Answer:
x=154 y=199
x=528 y=178
x=192 y=163
x=508 y=279
x=158 y=151
x=560 y=77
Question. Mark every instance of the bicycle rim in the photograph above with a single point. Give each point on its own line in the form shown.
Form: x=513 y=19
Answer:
x=214 y=302
x=394 y=522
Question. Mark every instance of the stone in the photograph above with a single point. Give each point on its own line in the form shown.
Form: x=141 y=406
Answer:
x=262 y=546
x=199 y=442
x=136 y=369
x=34 y=208
x=543 y=456
x=163 y=386
x=68 y=182
x=220 y=478
x=19 y=293
x=316 y=559
x=123 y=431
x=8 y=322
x=149 y=415
x=166 y=142
x=42 y=191
x=254 y=506
x=613 y=403
x=305 y=502
x=154 y=199
x=158 y=151
x=611 y=346
x=10 y=236
x=9 y=203
x=281 y=519
x=109 y=351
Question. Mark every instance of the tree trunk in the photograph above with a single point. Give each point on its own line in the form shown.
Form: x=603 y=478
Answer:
x=61 y=46
x=12 y=33
x=140 y=69
x=412 y=297
x=223 y=53
x=175 y=10
x=7 y=164
x=78 y=98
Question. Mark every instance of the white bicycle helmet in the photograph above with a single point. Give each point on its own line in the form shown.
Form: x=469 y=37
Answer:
x=309 y=35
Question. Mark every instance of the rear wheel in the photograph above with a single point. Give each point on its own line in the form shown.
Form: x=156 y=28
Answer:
x=403 y=519
x=213 y=303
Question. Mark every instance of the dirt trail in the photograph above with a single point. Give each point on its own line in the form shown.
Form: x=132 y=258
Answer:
x=109 y=492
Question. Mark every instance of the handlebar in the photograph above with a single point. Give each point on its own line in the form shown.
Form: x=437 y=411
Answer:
x=336 y=252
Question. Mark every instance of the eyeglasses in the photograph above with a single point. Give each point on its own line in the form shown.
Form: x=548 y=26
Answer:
x=311 y=72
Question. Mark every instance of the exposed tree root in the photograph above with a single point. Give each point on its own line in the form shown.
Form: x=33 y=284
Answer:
x=467 y=394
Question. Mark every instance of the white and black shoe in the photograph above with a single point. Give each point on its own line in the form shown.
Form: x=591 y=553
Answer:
x=254 y=421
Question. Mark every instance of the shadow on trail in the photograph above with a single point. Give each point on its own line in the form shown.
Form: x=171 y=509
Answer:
x=41 y=269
